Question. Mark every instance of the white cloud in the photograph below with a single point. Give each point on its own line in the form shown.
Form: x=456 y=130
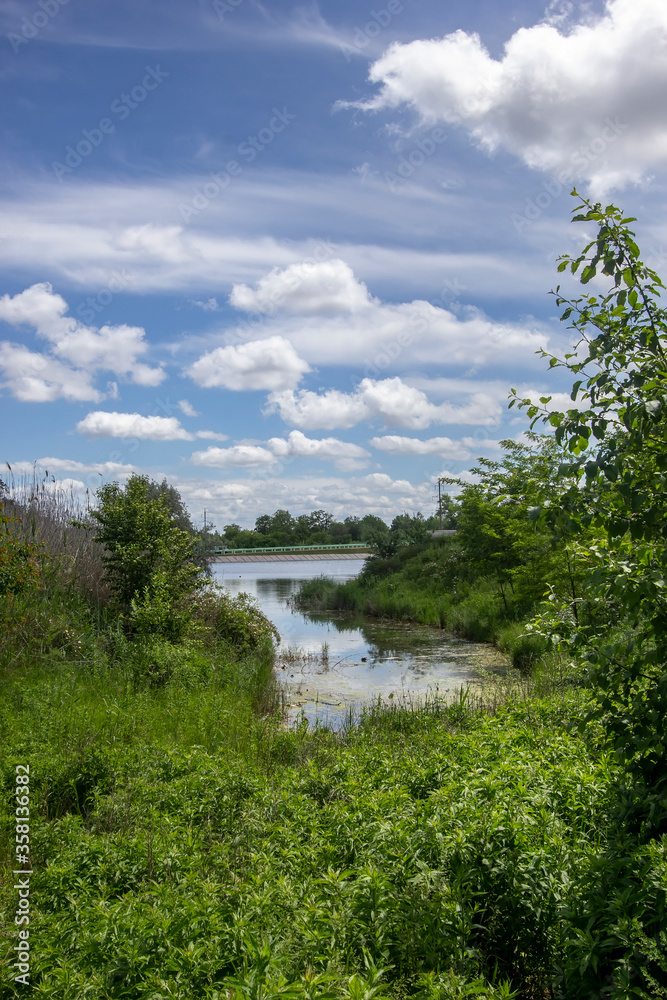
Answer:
x=391 y=400
x=68 y=233
x=208 y=305
x=159 y=242
x=238 y=455
x=38 y=378
x=117 y=469
x=271 y=364
x=307 y=289
x=87 y=349
x=380 y=480
x=344 y=454
x=244 y=499
x=297 y=445
x=187 y=408
x=311 y=409
x=127 y=425
x=385 y=336
x=444 y=447
x=587 y=103
x=212 y=436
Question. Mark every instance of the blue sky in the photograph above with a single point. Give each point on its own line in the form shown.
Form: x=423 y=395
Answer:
x=296 y=255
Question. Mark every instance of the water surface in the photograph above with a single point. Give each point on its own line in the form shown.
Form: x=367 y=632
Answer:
x=331 y=664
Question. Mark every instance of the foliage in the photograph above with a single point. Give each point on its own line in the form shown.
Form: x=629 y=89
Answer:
x=235 y=620
x=320 y=528
x=149 y=559
x=183 y=847
x=19 y=560
x=614 y=481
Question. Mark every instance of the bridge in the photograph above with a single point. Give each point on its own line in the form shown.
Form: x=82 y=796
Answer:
x=290 y=553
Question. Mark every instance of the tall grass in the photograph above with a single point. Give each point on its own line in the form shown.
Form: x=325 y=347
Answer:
x=426 y=584
x=57 y=520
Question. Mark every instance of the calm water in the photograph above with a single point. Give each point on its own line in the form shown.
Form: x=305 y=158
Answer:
x=328 y=663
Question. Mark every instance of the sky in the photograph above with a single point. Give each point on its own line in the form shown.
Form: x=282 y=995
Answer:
x=296 y=255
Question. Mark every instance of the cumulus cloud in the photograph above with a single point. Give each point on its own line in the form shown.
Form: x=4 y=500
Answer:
x=308 y=289
x=102 y=423
x=444 y=447
x=238 y=455
x=344 y=454
x=584 y=102
x=385 y=336
x=38 y=378
x=391 y=400
x=126 y=425
x=322 y=410
x=243 y=498
x=75 y=354
x=271 y=364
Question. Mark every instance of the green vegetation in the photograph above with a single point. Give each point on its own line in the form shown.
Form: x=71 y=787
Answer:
x=320 y=528
x=185 y=844
x=482 y=582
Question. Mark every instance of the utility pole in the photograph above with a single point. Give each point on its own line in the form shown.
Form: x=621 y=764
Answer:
x=440 y=503
x=204 y=520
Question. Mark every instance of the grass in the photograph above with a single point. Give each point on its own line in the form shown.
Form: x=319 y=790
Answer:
x=186 y=845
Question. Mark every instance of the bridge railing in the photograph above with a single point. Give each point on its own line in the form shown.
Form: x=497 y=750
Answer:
x=343 y=546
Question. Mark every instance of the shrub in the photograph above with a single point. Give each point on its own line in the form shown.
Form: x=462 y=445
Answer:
x=525 y=649
x=236 y=620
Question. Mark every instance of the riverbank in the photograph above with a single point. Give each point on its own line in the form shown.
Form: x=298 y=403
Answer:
x=428 y=584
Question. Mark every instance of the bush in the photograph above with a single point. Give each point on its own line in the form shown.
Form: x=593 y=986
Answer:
x=525 y=649
x=235 y=620
x=142 y=539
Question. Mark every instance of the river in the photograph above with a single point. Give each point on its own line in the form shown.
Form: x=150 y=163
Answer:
x=330 y=665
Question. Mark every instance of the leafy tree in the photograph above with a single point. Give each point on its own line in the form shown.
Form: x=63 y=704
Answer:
x=319 y=520
x=173 y=502
x=143 y=544
x=497 y=530
x=615 y=480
